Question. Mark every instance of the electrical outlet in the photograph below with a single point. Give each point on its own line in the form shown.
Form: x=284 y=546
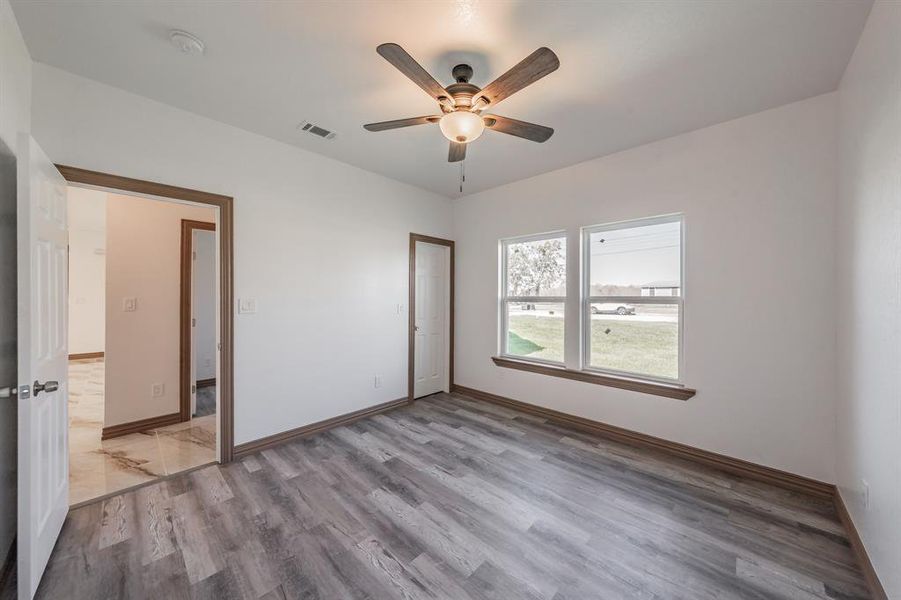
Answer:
x=129 y=304
x=157 y=390
x=865 y=493
x=378 y=381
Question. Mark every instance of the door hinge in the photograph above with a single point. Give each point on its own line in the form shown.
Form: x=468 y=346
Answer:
x=193 y=389
x=193 y=322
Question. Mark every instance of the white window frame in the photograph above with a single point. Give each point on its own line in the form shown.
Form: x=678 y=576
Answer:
x=504 y=299
x=587 y=300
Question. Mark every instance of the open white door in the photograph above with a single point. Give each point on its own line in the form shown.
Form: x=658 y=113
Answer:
x=43 y=361
x=431 y=322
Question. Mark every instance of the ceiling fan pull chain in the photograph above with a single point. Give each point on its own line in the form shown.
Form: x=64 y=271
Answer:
x=462 y=176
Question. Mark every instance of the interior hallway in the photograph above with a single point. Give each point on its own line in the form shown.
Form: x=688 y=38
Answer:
x=100 y=467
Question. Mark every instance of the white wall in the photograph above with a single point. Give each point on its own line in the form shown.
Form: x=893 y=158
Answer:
x=868 y=234
x=203 y=304
x=322 y=246
x=15 y=117
x=758 y=198
x=15 y=79
x=142 y=346
x=87 y=270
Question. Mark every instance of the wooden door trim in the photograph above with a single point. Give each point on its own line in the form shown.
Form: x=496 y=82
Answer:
x=411 y=321
x=188 y=227
x=85 y=355
x=225 y=204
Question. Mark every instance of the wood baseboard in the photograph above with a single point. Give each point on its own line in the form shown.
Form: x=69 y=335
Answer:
x=726 y=463
x=114 y=431
x=246 y=448
x=869 y=572
x=205 y=382
x=85 y=355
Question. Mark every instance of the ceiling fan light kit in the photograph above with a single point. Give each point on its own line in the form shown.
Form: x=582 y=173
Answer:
x=461 y=126
x=462 y=103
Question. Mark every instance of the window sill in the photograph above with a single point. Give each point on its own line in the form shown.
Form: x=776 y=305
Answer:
x=677 y=392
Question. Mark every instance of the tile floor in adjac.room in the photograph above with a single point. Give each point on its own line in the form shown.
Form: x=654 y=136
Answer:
x=97 y=468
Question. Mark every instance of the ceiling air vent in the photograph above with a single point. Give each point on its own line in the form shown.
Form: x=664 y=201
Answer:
x=316 y=130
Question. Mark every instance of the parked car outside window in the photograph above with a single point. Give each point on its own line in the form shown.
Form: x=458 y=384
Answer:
x=611 y=308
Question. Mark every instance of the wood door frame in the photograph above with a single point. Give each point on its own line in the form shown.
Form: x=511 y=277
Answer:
x=225 y=204
x=411 y=339
x=188 y=227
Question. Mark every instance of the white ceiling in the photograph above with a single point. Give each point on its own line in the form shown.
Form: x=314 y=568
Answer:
x=631 y=72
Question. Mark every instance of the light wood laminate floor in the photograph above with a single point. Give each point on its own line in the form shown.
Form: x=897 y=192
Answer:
x=456 y=499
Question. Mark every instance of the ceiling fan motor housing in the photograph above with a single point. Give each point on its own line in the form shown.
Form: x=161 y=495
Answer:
x=462 y=93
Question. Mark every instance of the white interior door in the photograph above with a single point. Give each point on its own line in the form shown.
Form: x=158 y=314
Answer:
x=431 y=322
x=43 y=360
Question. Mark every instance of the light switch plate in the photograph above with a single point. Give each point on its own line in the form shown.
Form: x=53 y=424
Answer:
x=129 y=304
x=247 y=305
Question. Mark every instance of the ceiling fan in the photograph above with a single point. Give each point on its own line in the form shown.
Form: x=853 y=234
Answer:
x=461 y=103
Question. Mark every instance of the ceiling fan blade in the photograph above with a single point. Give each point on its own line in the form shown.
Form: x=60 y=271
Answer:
x=383 y=125
x=528 y=71
x=523 y=129
x=407 y=65
x=457 y=152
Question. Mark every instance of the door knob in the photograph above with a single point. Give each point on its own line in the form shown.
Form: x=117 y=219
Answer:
x=50 y=386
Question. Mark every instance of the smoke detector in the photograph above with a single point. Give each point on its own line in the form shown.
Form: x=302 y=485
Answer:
x=186 y=42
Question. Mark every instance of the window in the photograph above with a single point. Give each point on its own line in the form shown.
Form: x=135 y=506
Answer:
x=629 y=307
x=632 y=298
x=533 y=297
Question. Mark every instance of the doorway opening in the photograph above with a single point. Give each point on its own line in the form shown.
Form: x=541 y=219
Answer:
x=197 y=320
x=149 y=332
x=431 y=326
